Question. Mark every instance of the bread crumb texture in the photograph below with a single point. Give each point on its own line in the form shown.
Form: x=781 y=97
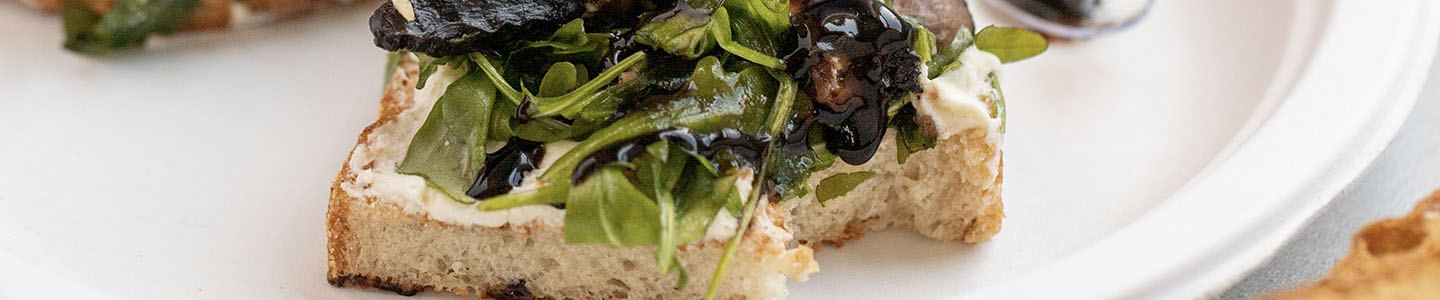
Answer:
x=1389 y=259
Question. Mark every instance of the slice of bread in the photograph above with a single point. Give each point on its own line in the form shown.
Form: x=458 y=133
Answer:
x=377 y=244
x=1389 y=259
x=951 y=192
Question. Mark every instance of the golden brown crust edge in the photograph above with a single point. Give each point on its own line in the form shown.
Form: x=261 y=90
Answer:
x=397 y=93
x=1389 y=259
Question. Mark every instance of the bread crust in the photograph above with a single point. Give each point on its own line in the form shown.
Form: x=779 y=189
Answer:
x=1389 y=259
x=395 y=97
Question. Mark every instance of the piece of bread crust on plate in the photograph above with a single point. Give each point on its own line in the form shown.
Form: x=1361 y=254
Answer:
x=1389 y=259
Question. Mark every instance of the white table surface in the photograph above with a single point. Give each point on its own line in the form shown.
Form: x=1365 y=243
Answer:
x=1408 y=170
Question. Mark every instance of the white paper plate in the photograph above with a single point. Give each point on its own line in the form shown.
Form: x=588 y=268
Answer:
x=1161 y=162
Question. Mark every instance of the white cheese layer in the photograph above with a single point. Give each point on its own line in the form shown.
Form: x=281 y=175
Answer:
x=960 y=99
x=374 y=163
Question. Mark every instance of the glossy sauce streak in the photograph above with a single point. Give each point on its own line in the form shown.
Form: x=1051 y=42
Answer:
x=506 y=168
x=852 y=57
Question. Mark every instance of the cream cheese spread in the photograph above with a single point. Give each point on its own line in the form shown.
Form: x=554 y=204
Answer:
x=960 y=99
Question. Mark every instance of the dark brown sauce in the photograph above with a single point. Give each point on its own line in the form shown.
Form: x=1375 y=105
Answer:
x=506 y=168
x=852 y=58
x=750 y=148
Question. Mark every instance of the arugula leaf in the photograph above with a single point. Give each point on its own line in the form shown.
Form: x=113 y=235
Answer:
x=684 y=32
x=562 y=78
x=1011 y=44
x=840 y=184
x=607 y=209
x=924 y=43
x=909 y=138
x=428 y=66
x=125 y=26
x=690 y=32
x=550 y=106
x=793 y=168
x=544 y=130
x=949 y=57
x=552 y=194
x=720 y=29
x=760 y=23
x=449 y=148
x=715 y=102
x=775 y=127
x=572 y=39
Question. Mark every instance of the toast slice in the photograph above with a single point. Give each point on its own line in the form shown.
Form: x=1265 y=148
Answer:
x=374 y=243
x=929 y=161
x=377 y=243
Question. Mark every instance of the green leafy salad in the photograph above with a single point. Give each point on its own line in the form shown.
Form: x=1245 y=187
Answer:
x=676 y=110
x=125 y=26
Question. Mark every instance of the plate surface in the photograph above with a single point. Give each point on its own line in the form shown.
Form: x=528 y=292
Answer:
x=1165 y=160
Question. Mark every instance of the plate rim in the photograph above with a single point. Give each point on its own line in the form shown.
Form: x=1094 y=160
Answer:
x=1217 y=254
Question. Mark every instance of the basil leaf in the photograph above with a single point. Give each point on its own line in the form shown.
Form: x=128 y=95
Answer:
x=840 y=184
x=1010 y=44
x=948 y=57
x=449 y=148
x=125 y=26
x=607 y=209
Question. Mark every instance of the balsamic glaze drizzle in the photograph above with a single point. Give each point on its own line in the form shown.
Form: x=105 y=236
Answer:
x=506 y=168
